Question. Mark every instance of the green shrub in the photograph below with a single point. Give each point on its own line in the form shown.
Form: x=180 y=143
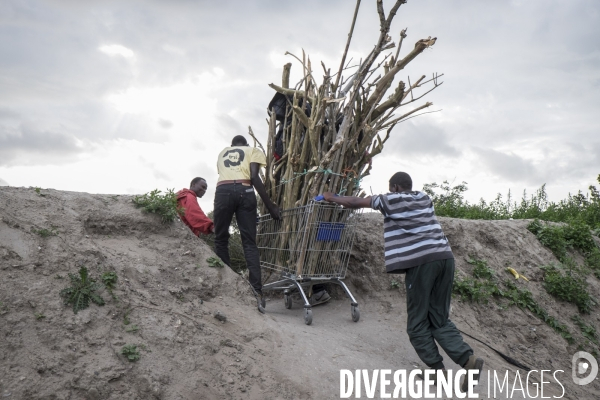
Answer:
x=47 y=232
x=131 y=352
x=523 y=298
x=163 y=205
x=109 y=279
x=481 y=270
x=569 y=286
x=592 y=261
x=475 y=290
x=82 y=290
x=588 y=331
x=578 y=235
x=215 y=262
x=449 y=202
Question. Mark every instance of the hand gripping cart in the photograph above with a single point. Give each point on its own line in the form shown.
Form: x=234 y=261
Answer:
x=309 y=245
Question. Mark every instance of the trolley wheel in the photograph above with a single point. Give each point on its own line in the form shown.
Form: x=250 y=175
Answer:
x=307 y=316
x=355 y=313
x=287 y=299
x=263 y=302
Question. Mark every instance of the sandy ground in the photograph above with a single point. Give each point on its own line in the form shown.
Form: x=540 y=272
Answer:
x=168 y=291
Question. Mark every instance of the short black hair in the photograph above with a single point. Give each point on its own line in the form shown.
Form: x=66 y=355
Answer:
x=195 y=180
x=239 y=140
x=401 y=179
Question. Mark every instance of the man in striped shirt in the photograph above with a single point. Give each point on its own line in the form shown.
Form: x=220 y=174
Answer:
x=416 y=245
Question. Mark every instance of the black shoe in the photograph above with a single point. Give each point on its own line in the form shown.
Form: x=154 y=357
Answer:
x=319 y=298
x=260 y=299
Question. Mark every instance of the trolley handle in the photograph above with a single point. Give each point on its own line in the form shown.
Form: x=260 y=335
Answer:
x=321 y=198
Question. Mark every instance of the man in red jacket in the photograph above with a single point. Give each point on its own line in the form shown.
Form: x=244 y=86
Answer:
x=193 y=215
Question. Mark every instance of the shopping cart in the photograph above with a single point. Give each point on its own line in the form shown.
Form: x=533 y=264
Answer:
x=309 y=245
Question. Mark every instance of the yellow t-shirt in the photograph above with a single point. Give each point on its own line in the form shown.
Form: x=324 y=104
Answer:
x=234 y=162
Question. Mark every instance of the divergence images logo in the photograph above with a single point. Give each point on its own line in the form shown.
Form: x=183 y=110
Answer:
x=583 y=363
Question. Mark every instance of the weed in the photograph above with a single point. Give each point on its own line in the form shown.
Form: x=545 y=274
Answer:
x=481 y=270
x=59 y=276
x=39 y=316
x=523 y=298
x=126 y=320
x=82 y=290
x=486 y=285
x=475 y=290
x=38 y=190
x=215 y=262
x=131 y=352
x=132 y=328
x=394 y=284
x=592 y=261
x=578 y=235
x=588 y=331
x=163 y=205
x=109 y=279
x=569 y=286
x=46 y=232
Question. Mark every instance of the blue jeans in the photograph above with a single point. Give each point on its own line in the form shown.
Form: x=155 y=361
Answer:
x=238 y=199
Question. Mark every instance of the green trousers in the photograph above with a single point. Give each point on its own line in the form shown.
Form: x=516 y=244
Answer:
x=428 y=293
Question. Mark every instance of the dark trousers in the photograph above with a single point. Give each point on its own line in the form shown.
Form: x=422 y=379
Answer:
x=240 y=200
x=428 y=292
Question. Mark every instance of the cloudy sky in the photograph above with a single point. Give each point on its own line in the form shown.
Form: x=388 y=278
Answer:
x=128 y=96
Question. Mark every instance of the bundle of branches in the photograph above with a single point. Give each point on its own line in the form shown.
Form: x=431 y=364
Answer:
x=323 y=137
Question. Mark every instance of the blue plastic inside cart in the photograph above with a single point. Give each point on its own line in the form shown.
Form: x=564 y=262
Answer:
x=329 y=231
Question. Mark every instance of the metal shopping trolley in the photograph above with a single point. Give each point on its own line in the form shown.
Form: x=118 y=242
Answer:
x=310 y=245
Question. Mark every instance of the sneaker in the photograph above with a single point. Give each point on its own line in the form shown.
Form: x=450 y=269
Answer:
x=260 y=298
x=472 y=363
x=319 y=298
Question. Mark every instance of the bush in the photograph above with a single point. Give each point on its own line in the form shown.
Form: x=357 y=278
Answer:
x=569 y=286
x=131 y=352
x=449 y=202
x=82 y=290
x=163 y=205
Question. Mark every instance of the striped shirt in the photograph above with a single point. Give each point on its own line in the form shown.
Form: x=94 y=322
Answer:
x=412 y=234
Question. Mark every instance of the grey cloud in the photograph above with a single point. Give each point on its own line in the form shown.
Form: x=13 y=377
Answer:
x=509 y=166
x=30 y=146
x=165 y=123
x=228 y=127
x=156 y=172
x=409 y=139
x=505 y=62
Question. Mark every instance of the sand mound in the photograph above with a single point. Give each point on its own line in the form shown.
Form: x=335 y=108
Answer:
x=167 y=297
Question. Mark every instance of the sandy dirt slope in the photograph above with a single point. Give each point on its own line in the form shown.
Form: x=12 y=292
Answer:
x=169 y=292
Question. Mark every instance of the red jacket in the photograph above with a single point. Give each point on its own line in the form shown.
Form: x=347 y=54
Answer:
x=194 y=217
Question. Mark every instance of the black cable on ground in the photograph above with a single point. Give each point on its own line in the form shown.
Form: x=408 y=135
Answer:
x=508 y=359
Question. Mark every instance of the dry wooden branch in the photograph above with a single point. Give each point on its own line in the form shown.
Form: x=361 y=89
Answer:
x=329 y=133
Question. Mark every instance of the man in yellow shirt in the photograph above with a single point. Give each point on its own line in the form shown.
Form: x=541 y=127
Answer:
x=238 y=167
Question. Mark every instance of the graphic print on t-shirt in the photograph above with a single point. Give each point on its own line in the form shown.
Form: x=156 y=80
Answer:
x=233 y=159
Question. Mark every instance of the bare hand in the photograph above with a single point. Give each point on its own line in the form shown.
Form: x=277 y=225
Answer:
x=328 y=196
x=274 y=211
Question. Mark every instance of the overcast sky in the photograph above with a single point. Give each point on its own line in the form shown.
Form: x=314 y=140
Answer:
x=128 y=96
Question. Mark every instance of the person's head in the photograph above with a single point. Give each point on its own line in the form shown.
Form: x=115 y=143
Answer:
x=198 y=186
x=239 y=140
x=400 y=182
